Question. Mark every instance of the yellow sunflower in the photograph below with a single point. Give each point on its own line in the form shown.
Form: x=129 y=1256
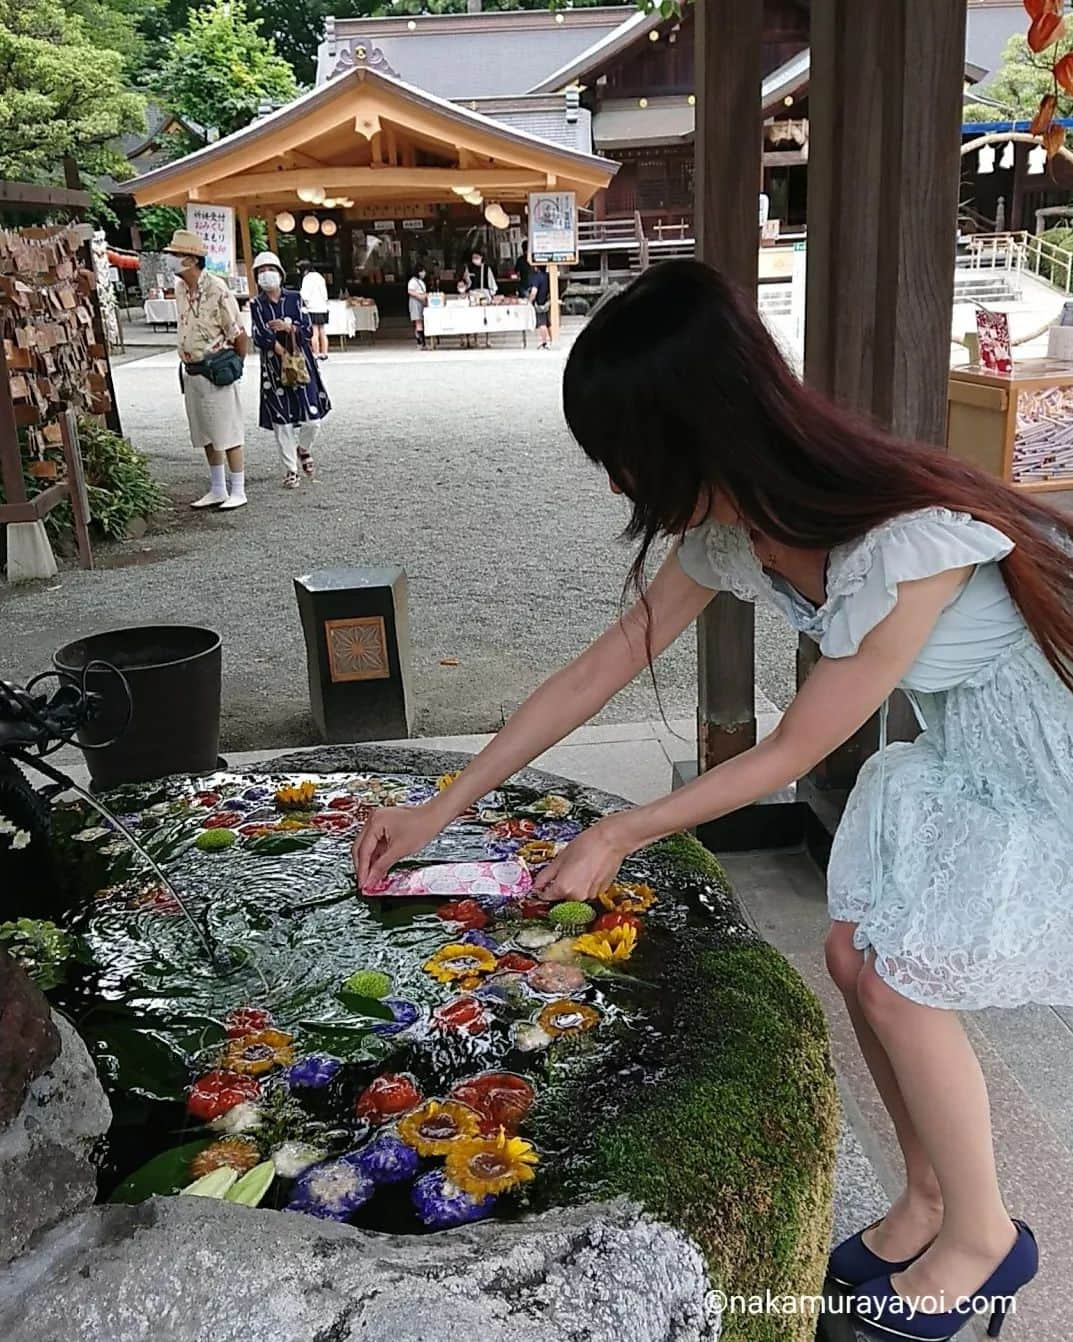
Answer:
x=566 y=1017
x=460 y=963
x=537 y=852
x=298 y=798
x=483 y=1166
x=623 y=897
x=438 y=1126
x=445 y=780
x=233 y=1152
x=258 y=1052
x=617 y=943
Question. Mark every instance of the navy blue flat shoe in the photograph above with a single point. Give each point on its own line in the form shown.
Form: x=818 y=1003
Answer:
x=880 y=1311
x=853 y=1262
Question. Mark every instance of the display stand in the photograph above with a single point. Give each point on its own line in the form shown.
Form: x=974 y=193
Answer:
x=1018 y=425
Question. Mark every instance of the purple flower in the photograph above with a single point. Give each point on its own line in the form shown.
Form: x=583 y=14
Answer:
x=503 y=849
x=405 y=1013
x=315 y=1070
x=386 y=1160
x=475 y=937
x=235 y=804
x=558 y=831
x=257 y=793
x=419 y=794
x=441 y=1205
x=331 y=1190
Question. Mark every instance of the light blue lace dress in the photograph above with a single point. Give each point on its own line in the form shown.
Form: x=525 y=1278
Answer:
x=955 y=854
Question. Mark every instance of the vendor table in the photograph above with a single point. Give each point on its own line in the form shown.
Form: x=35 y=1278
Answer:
x=347 y=320
x=161 y=312
x=462 y=319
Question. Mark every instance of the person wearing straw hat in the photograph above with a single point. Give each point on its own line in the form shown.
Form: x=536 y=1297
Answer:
x=212 y=348
x=293 y=398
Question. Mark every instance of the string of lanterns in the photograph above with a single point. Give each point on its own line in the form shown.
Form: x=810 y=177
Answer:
x=286 y=222
x=985 y=159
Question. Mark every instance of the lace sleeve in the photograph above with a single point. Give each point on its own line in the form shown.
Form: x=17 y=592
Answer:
x=722 y=558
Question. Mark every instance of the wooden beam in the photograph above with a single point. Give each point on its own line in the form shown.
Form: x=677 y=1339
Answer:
x=885 y=92
x=247 y=247
x=728 y=47
x=30 y=196
x=349 y=181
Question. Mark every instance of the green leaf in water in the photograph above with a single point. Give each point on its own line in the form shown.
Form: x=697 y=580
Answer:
x=164 y=1174
x=279 y=845
x=598 y=970
x=365 y=1006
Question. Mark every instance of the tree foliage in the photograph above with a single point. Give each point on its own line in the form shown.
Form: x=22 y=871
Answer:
x=1018 y=85
x=220 y=68
x=61 y=94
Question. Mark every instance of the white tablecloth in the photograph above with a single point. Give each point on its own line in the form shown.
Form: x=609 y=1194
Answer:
x=347 y=319
x=161 y=312
x=458 y=319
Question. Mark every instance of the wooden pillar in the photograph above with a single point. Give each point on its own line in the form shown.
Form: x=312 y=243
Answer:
x=10 y=451
x=885 y=98
x=728 y=39
x=273 y=235
x=247 y=246
x=553 y=295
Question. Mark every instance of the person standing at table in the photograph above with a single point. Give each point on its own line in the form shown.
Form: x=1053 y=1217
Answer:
x=293 y=409
x=315 y=302
x=417 y=296
x=479 y=275
x=540 y=297
x=212 y=347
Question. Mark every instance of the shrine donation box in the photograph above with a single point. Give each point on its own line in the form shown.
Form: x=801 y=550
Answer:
x=1016 y=425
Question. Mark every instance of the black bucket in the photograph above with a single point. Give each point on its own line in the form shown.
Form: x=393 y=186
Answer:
x=173 y=672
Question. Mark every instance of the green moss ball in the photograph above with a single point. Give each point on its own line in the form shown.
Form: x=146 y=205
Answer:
x=369 y=983
x=572 y=913
x=215 y=840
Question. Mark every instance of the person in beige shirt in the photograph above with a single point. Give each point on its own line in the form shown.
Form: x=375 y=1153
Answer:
x=208 y=323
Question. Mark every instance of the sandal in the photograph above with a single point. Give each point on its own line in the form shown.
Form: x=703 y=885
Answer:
x=306 y=458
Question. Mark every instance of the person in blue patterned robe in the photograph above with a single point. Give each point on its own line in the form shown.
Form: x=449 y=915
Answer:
x=294 y=414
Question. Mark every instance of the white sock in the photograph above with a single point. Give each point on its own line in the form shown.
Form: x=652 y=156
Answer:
x=238 y=484
x=219 y=480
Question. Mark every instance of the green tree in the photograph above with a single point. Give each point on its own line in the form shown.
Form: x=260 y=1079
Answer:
x=219 y=69
x=1018 y=85
x=62 y=96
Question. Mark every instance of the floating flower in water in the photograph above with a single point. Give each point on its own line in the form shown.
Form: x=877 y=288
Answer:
x=560 y=952
x=292 y=822
x=506 y=990
x=474 y=937
x=334 y=823
x=257 y=1053
x=530 y=1038
x=533 y=938
x=255 y=794
x=537 y=852
x=434 y=1128
x=607 y=921
x=221 y=820
x=216 y=1092
x=245 y=1020
x=231 y=1152
x=465 y=912
x=484 y=1166
x=622 y=897
x=313 y=1071
x=464 y=1014
x=257 y=831
x=555 y=980
x=504 y=849
x=445 y=780
x=572 y=914
x=616 y=944
x=297 y=798
x=558 y=831
x=244 y=1117
x=565 y=1017
x=387 y=1159
x=502 y=1099
x=441 y=1204
x=215 y=840
x=513 y=829
x=459 y=963
x=404 y=1013
x=515 y=963
x=90 y=835
x=489 y=816
x=291 y=1158
x=553 y=806
x=534 y=908
x=388 y=1097
x=369 y=983
x=207 y=799
x=345 y=801
x=156 y=899
x=332 y=1190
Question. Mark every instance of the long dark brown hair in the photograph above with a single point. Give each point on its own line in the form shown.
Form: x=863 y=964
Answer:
x=678 y=391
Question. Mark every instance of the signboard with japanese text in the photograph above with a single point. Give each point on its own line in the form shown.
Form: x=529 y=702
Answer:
x=215 y=225
x=553 y=228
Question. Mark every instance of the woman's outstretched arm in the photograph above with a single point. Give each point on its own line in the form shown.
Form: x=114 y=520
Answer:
x=565 y=701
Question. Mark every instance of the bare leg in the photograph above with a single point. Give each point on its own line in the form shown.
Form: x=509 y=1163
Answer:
x=916 y=1215
x=945 y=1094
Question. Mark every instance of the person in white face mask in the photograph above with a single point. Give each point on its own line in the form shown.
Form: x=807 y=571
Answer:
x=212 y=350
x=293 y=398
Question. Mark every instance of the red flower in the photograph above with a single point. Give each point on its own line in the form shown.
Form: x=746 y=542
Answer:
x=515 y=962
x=387 y=1097
x=346 y=801
x=607 y=921
x=464 y=1014
x=329 y=821
x=535 y=908
x=501 y=1098
x=222 y=820
x=246 y=1020
x=513 y=829
x=207 y=798
x=466 y=913
x=216 y=1092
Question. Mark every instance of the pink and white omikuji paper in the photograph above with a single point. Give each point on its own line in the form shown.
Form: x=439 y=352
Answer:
x=498 y=880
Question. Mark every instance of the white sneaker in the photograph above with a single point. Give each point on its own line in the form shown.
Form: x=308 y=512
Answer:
x=232 y=502
x=291 y=480
x=210 y=500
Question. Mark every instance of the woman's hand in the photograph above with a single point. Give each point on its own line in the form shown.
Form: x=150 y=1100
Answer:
x=586 y=867
x=279 y=350
x=278 y=324
x=390 y=834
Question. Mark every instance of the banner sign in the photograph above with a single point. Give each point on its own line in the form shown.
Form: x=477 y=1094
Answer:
x=215 y=225
x=553 y=227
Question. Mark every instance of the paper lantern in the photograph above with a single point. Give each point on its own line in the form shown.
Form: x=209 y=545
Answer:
x=985 y=160
x=473 y=198
x=463 y=191
x=310 y=224
x=285 y=221
x=496 y=215
x=1007 y=160
x=1037 y=160
x=329 y=203
x=329 y=228
x=309 y=194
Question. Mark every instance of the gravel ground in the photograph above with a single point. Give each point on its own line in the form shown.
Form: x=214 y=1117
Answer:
x=456 y=465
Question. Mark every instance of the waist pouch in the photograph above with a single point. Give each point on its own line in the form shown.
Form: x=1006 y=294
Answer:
x=221 y=368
